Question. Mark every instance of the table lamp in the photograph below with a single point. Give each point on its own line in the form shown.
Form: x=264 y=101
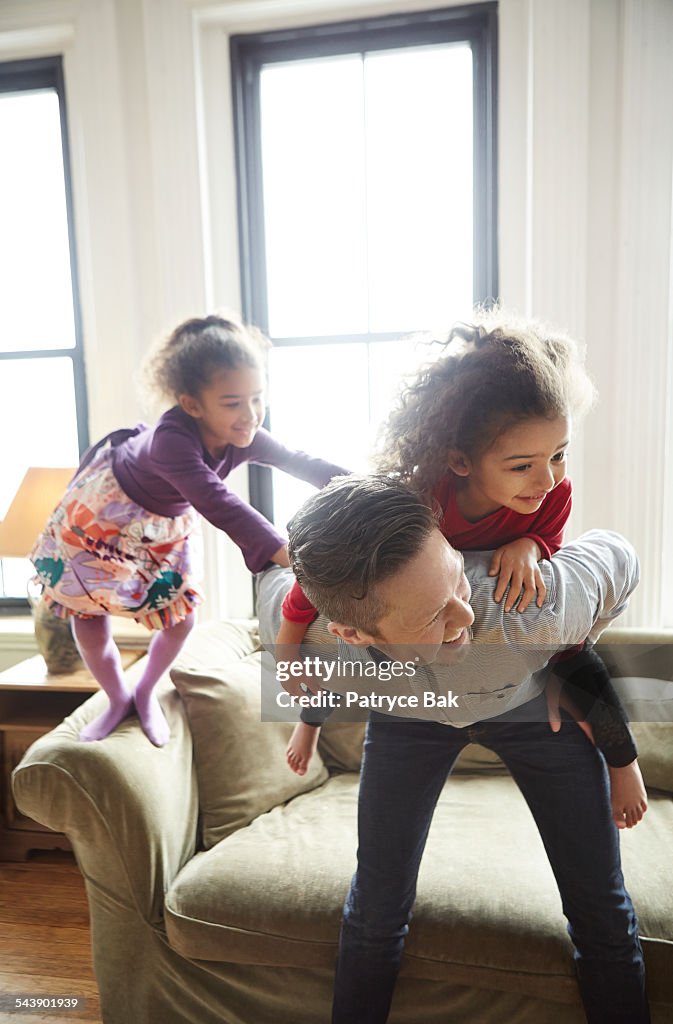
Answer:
x=37 y=496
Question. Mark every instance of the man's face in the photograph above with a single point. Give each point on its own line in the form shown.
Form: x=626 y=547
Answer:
x=429 y=614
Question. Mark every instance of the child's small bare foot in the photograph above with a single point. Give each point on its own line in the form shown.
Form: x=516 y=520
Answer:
x=301 y=748
x=629 y=799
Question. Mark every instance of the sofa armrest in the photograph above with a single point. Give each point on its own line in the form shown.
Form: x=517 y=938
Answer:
x=129 y=809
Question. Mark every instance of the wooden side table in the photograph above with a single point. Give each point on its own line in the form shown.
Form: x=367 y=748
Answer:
x=32 y=702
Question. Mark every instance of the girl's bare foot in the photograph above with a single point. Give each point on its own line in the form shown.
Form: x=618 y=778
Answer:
x=629 y=799
x=301 y=748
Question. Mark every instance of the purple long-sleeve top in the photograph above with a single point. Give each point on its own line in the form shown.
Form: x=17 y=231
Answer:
x=166 y=469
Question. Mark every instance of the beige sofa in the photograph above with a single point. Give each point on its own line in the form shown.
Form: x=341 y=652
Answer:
x=216 y=877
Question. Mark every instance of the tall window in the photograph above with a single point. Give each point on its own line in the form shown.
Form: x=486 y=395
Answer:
x=42 y=397
x=366 y=158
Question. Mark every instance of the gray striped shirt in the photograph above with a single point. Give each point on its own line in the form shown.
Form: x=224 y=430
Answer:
x=588 y=584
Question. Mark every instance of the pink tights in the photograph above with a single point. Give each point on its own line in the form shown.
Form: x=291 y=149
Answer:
x=101 y=656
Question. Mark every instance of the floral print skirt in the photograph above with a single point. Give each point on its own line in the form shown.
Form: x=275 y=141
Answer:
x=102 y=554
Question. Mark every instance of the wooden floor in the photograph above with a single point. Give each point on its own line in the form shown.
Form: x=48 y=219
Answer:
x=44 y=940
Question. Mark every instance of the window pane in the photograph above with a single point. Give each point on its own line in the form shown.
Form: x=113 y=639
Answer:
x=314 y=196
x=390 y=364
x=16 y=572
x=419 y=186
x=37 y=410
x=36 y=309
x=347 y=392
x=319 y=403
x=367 y=170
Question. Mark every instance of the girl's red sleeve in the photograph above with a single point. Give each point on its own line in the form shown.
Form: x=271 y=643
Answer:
x=297 y=607
x=549 y=523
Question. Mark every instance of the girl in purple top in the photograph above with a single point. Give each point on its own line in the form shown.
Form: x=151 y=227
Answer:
x=120 y=541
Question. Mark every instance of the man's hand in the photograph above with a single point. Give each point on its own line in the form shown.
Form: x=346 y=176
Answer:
x=516 y=564
x=557 y=699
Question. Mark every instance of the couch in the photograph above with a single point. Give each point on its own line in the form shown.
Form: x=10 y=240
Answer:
x=216 y=877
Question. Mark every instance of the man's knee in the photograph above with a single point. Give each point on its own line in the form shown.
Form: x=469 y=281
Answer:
x=375 y=915
x=374 y=932
x=609 y=935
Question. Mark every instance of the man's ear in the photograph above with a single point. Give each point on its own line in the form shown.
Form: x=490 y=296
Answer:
x=459 y=462
x=349 y=634
x=190 y=405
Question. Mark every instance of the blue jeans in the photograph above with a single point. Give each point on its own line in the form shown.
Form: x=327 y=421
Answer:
x=564 y=781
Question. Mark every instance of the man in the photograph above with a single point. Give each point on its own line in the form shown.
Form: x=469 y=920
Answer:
x=370 y=557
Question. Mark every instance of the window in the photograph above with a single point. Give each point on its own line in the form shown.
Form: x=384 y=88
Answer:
x=43 y=402
x=366 y=163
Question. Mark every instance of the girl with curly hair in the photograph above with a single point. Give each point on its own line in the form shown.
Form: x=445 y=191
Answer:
x=483 y=434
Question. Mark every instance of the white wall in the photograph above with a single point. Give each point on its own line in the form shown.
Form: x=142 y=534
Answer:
x=586 y=173
x=586 y=157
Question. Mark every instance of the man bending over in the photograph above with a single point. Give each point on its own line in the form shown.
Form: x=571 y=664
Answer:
x=368 y=554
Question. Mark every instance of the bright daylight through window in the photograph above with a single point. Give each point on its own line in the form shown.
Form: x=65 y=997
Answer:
x=40 y=364
x=366 y=164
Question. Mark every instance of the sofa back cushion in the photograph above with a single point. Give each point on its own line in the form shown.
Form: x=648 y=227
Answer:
x=640 y=663
x=239 y=759
x=655 y=753
x=340 y=744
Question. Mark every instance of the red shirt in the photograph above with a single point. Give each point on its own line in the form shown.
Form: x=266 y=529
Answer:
x=503 y=526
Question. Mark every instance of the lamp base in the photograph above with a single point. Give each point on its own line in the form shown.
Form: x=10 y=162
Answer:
x=55 y=641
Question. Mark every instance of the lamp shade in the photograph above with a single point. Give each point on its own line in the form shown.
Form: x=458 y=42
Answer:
x=39 y=492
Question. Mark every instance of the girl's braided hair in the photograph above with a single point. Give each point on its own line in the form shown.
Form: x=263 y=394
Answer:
x=495 y=372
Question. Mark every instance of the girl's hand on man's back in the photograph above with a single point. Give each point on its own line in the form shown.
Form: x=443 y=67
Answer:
x=516 y=565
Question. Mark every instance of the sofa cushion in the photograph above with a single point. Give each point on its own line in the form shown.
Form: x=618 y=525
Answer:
x=475 y=758
x=239 y=759
x=485 y=915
